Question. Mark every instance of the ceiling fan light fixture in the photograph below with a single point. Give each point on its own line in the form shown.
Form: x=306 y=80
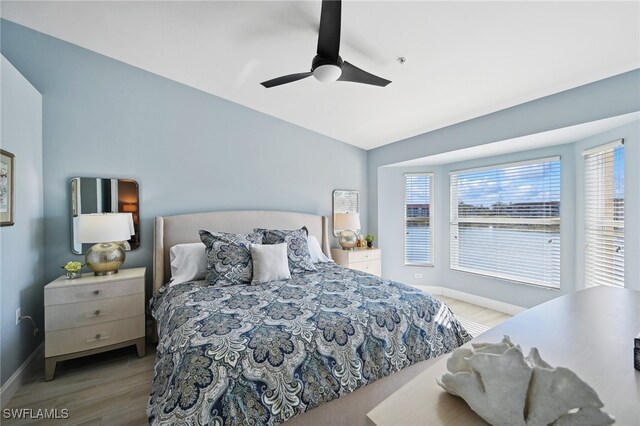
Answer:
x=327 y=73
x=327 y=66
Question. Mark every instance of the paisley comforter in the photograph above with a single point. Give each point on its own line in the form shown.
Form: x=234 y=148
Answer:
x=261 y=354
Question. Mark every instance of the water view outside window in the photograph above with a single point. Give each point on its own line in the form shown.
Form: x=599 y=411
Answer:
x=418 y=247
x=505 y=221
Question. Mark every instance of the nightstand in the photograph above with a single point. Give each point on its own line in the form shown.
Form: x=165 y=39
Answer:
x=361 y=259
x=93 y=314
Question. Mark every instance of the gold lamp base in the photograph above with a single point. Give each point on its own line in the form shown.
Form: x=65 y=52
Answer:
x=105 y=258
x=348 y=240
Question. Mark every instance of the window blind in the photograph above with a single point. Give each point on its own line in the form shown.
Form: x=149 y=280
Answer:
x=505 y=221
x=418 y=242
x=604 y=215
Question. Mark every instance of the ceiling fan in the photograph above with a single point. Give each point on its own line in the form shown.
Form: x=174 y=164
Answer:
x=328 y=66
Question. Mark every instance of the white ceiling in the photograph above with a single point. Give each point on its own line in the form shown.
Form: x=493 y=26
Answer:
x=464 y=59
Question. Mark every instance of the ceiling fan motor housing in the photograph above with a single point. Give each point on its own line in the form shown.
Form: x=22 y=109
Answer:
x=326 y=70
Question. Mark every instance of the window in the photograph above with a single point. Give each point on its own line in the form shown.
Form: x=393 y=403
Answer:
x=505 y=221
x=418 y=241
x=604 y=215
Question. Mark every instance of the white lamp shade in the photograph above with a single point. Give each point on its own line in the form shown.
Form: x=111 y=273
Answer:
x=129 y=216
x=104 y=228
x=347 y=221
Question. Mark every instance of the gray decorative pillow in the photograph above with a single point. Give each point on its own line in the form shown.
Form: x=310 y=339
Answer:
x=228 y=257
x=297 y=246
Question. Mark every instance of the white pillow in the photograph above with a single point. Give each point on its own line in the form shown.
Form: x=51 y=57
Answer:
x=188 y=263
x=317 y=256
x=270 y=263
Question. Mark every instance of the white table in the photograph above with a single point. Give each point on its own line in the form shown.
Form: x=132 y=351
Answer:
x=590 y=332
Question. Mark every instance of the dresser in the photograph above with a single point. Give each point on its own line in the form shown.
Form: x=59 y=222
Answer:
x=361 y=259
x=93 y=314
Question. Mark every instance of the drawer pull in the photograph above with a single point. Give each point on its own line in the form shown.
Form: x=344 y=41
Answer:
x=98 y=337
x=97 y=313
x=96 y=292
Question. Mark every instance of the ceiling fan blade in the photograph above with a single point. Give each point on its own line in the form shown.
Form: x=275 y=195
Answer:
x=352 y=73
x=286 y=79
x=329 y=34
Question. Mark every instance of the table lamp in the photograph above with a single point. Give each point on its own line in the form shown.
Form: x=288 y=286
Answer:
x=109 y=231
x=347 y=223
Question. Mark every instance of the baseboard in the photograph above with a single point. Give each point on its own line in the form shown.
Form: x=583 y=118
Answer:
x=496 y=305
x=10 y=387
x=485 y=302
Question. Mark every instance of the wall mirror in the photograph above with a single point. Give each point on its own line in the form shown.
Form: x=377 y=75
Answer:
x=103 y=195
x=344 y=201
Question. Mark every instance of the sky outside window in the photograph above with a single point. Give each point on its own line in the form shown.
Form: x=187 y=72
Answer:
x=509 y=185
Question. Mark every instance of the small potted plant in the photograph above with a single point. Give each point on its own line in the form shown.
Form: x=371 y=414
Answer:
x=73 y=269
x=370 y=239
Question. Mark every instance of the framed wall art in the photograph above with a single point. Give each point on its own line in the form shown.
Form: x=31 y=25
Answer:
x=7 y=205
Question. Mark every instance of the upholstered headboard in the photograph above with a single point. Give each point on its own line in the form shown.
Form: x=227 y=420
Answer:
x=180 y=229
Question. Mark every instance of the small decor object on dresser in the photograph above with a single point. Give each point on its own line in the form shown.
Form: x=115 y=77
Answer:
x=93 y=314
x=370 y=238
x=73 y=269
x=505 y=388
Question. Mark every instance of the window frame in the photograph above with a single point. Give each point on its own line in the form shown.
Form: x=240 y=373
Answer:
x=454 y=222
x=593 y=220
x=431 y=176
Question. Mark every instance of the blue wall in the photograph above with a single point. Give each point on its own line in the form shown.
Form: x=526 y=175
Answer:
x=189 y=151
x=21 y=245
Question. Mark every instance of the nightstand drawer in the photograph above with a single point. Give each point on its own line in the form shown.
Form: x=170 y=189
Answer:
x=361 y=259
x=372 y=267
x=84 y=293
x=363 y=255
x=59 y=317
x=93 y=336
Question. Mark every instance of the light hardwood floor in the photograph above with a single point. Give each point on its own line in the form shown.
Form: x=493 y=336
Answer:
x=112 y=388
x=475 y=313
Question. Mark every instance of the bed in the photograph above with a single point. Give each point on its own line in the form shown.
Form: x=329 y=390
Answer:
x=323 y=347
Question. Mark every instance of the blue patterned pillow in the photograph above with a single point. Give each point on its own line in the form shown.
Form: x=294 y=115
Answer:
x=228 y=257
x=297 y=246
